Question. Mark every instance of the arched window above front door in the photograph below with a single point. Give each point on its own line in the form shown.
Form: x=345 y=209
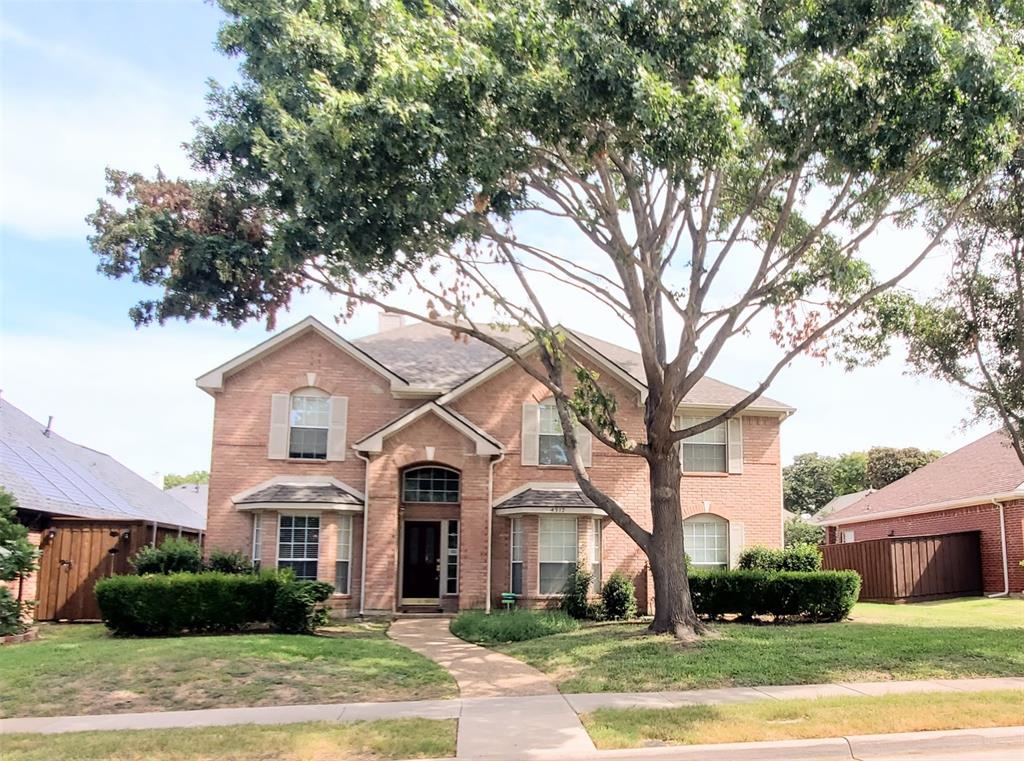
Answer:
x=430 y=484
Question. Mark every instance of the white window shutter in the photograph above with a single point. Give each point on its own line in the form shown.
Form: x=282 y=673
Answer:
x=337 y=428
x=277 y=446
x=679 y=424
x=585 y=444
x=735 y=543
x=736 y=445
x=530 y=447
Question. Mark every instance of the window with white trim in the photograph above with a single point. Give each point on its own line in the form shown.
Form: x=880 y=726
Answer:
x=551 y=446
x=452 y=559
x=343 y=561
x=707 y=452
x=309 y=420
x=595 y=555
x=516 y=553
x=257 y=539
x=706 y=541
x=558 y=550
x=845 y=537
x=298 y=544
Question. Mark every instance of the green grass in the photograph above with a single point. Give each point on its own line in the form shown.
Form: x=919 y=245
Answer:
x=81 y=669
x=958 y=638
x=365 y=741
x=803 y=719
x=511 y=626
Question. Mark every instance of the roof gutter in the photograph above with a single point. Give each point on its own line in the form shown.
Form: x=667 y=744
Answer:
x=1002 y=538
x=490 y=526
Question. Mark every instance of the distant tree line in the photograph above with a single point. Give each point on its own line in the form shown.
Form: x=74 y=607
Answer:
x=195 y=477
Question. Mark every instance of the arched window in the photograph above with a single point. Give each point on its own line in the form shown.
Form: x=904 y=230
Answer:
x=430 y=484
x=706 y=540
x=309 y=419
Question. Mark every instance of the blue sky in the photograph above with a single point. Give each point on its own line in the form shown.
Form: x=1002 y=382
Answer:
x=89 y=84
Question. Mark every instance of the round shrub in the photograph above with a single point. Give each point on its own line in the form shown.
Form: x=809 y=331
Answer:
x=224 y=561
x=175 y=555
x=298 y=608
x=802 y=557
x=575 y=599
x=618 y=597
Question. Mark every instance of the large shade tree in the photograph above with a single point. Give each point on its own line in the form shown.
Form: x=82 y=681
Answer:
x=725 y=163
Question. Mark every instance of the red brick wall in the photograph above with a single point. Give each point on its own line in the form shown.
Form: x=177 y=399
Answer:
x=239 y=462
x=983 y=518
x=27 y=585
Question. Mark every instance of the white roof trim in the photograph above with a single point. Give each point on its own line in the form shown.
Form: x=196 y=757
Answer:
x=299 y=507
x=592 y=511
x=525 y=350
x=299 y=481
x=713 y=409
x=213 y=381
x=485 y=445
x=934 y=507
x=540 y=486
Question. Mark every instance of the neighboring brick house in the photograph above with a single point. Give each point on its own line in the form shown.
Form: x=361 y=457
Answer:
x=417 y=471
x=979 y=487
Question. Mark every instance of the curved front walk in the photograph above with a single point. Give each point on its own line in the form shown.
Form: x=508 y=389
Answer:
x=517 y=710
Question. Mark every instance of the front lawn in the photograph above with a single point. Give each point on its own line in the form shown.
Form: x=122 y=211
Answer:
x=359 y=741
x=81 y=669
x=803 y=719
x=958 y=638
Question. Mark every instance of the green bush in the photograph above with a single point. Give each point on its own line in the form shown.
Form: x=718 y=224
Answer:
x=175 y=555
x=298 y=606
x=168 y=604
x=511 y=625
x=618 y=597
x=224 y=561
x=575 y=599
x=797 y=531
x=803 y=557
x=807 y=595
x=13 y=614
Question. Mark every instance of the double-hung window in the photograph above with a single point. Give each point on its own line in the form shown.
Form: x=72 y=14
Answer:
x=309 y=420
x=706 y=541
x=707 y=452
x=343 y=561
x=551 y=446
x=298 y=544
x=595 y=555
x=517 y=556
x=257 y=539
x=559 y=552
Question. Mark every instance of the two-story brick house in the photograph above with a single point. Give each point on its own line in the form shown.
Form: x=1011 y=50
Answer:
x=416 y=471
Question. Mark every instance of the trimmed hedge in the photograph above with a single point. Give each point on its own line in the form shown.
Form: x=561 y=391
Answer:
x=206 y=602
x=802 y=557
x=812 y=596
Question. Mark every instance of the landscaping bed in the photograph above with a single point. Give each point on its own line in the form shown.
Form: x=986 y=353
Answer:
x=803 y=719
x=359 y=741
x=82 y=669
x=957 y=638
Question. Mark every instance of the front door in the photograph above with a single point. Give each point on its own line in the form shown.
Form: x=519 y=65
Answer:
x=421 y=562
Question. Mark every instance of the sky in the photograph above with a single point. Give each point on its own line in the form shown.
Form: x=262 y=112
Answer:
x=85 y=85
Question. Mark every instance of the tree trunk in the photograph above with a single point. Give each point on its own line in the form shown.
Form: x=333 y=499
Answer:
x=673 y=606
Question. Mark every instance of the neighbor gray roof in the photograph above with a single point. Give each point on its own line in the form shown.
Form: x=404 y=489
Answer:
x=431 y=356
x=193 y=496
x=841 y=502
x=49 y=474
x=547 y=498
x=302 y=493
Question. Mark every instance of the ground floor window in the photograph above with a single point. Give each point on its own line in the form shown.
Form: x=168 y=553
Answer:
x=343 y=562
x=298 y=544
x=845 y=537
x=517 y=556
x=595 y=555
x=559 y=552
x=257 y=539
x=706 y=541
x=452 y=559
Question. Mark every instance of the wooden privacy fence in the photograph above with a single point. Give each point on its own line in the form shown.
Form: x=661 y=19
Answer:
x=911 y=568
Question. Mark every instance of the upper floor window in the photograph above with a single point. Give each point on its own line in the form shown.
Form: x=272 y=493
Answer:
x=309 y=420
x=551 y=450
x=707 y=452
x=430 y=484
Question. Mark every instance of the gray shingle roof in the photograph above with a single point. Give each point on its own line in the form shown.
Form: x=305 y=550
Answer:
x=547 y=498
x=50 y=474
x=193 y=496
x=302 y=493
x=431 y=356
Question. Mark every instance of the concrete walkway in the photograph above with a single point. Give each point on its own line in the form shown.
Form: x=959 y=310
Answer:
x=509 y=709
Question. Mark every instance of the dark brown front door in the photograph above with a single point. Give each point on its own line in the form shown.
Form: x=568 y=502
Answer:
x=421 y=561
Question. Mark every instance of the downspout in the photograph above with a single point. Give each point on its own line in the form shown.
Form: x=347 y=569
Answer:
x=490 y=526
x=1002 y=537
x=366 y=521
